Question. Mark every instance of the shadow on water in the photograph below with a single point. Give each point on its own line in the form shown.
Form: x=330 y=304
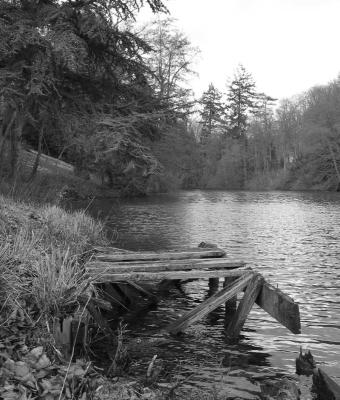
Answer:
x=292 y=238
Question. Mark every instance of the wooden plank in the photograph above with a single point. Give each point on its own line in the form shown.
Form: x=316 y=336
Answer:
x=250 y=295
x=325 y=387
x=111 y=276
x=153 y=256
x=96 y=267
x=280 y=306
x=210 y=304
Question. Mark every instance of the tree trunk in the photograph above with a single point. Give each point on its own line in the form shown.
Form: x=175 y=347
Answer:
x=244 y=161
x=37 y=158
x=15 y=140
x=5 y=135
x=334 y=161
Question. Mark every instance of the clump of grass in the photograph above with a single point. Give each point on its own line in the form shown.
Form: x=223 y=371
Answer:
x=75 y=230
x=17 y=254
x=57 y=282
x=42 y=252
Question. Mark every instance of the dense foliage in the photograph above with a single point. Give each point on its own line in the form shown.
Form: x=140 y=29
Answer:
x=81 y=82
x=73 y=82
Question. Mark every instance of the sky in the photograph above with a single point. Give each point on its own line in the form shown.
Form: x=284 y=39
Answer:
x=287 y=45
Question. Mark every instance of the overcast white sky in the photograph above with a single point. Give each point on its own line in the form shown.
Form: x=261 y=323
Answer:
x=287 y=45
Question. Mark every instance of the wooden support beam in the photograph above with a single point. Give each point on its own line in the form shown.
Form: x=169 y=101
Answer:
x=111 y=276
x=325 y=387
x=280 y=306
x=113 y=295
x=210 y=304
x=174 y=265
x=250 y=295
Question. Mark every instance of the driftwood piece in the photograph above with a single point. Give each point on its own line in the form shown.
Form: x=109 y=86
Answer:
x=236 y=323
x=324 y=386
x=107 y=276
x=155 y=256
x=210 y=304
x=280 y=306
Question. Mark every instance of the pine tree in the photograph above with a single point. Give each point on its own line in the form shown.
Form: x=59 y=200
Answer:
x=212 y=113
x=242 y=100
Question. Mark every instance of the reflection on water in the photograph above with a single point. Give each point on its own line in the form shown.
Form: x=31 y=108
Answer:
x=292 y=238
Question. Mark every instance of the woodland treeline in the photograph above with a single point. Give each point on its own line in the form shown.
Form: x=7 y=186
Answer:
x=81 y=81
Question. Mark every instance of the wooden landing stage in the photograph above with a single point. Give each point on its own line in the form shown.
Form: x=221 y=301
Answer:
x=130 y=270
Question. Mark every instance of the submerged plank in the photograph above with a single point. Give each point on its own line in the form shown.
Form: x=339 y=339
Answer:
x=96 y=267
x=155 y=256
x=280 y=306
x=239 y=318
x=107 y=276
x=210 y=304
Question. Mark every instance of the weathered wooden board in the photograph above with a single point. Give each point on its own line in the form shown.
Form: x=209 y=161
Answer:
x=280 y=306
x=250 y=295
x=324 y=386
x=210 y=304
x=96 y=267
x=111 y=276
x=155 y=256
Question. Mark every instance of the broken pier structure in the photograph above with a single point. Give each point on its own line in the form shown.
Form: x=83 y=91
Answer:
x=123 y=274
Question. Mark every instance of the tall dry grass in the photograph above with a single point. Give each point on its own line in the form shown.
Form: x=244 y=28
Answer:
x=42 y=252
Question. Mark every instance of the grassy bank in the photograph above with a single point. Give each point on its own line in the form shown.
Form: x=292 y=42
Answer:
x=42 y=250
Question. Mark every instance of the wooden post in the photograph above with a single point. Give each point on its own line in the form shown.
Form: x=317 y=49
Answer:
x=237 y=321
x=213 y=285
x=62 y=332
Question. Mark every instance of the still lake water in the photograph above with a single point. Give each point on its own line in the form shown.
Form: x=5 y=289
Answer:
x=292 y=238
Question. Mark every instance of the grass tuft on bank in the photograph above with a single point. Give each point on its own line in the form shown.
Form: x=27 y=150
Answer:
x=42 y=251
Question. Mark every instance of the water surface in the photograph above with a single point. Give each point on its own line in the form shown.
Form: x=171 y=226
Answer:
x=292 y=238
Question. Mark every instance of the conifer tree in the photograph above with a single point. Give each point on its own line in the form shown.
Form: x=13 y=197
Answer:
x=212 y=113
x=242 y=100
